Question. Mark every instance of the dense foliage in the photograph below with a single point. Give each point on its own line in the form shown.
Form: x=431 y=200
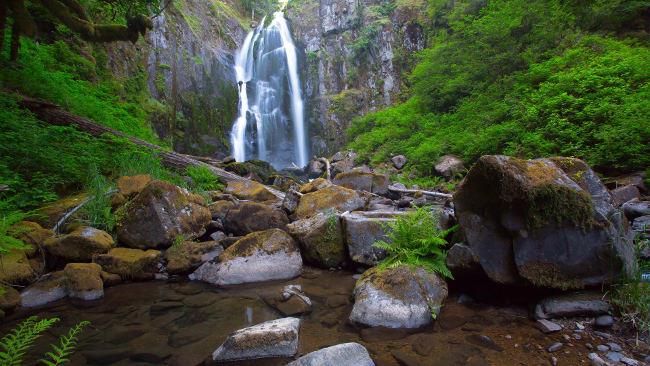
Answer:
x=525 y=78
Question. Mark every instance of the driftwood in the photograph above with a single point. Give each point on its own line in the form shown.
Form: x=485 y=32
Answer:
x=426 y=193
x=54 y=114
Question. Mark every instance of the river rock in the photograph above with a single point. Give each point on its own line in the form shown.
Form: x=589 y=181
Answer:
x=641 y=227
x=572 y=305
x=331 y=198
x=80 y=245
x=9 y=298
x=549 y=222
x=290 y=201
x=449 y=166
x=15 y=268
x=314 y=185
x=321 y=239
x=250 y=190
x=462 y=261
x=130 y=263
x=624 y=194
x=636 y=208
x=83 y=281
x=398 y=161
x=32 y=234
x=50 y=289
x=260 y=256
x=346 y=354
x=364 y=228
x=400 y=297
x=342 y=161
x=219 y=209
x=361 y=181
x=290 y=301
x=129 y=186
x=188 y=256
x=248 y=217
x=274 y=338
x=159 y=214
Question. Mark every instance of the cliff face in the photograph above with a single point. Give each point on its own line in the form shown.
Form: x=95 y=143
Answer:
x=356 y=53
x=187 y=62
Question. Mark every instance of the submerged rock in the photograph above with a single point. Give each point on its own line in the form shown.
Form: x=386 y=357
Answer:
x=188 y=256
x=327 y=199
x=321 y=239
x=248 y=217
x=362 y=181
x=346 y=354
x=400 y=297
x=9 y=298
x=130 y=263
x=80 y=245
x=549 y=222
x=159 y=214
x=260 y=256
x=274 y=338
x=83 y=281
x=362 y=229
x=291 y=300
x=250 y=190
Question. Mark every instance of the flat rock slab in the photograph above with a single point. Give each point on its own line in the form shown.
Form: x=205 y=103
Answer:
x=346 y=354
x=274 y=338
x=572 y=304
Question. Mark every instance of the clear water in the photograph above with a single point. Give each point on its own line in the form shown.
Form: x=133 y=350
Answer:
x=270 y=125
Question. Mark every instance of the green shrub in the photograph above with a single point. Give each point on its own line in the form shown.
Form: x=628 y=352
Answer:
x=415 y=240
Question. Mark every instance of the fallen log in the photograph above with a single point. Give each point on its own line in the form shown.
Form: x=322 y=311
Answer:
x=426 y=193
x=55 y=115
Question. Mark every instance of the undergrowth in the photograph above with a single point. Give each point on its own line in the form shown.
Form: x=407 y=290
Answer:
x=8 y=241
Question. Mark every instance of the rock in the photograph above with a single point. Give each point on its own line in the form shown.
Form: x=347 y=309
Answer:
x=579 y=304
x=400 y=297
x=604 y=321
x=80 y=245
x=15 y=268
x=602 y=348
x=361 y=181
x=83 y=281
x=218 y=236
x=331 y=198
x=261 y=170
x=549 y=222
x=130 y=263
x=624 y=194
x=110 y=279
x=595 y=360
x=321 y=239
x=188 y=256
x=614 y=356
x=555 y=347
x=129 y=186
x=290 y=301
x=274 y=338
x=641 y=227
x=250 y=190
x=219 y=209
x=342 y=161
x=346 y=354
x=9 y=298
x=547 y=326
x=629 y=361
x=314 y=185
x=260 y=256
x=398 y=161
x=50 y=214
x=614 y=347
x=636 y=208
x=449 y=166
x=362 y=229
x=248 y=217
x=315 y=168
x=45 y=291
x=159 y=214
x=290 y=201
x=32 y=234
x=462 y=261
x=483 y=341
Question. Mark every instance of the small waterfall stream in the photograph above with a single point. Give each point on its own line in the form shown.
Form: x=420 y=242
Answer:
x=270 y=125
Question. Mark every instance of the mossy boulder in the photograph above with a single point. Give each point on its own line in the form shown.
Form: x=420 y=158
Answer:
x=314 y=185
x=335 y=198
x=248 y=217
x=321 y=240
x=130 y=263
x=129 y=186
x=80 y=245
x=84 y=281
x=9 y=298
x=259 y=256
x=219 y=209
x=159 y=214
x=15 y=268
x=549 y=222
x=399 y=297
x=32 y=234
x=49 y=289
x=250 y=190
x=188 y=256
x=51 y=213
x=363 y=181
x=259 y=170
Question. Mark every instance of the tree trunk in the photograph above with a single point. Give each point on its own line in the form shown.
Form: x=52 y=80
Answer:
x=53 y=114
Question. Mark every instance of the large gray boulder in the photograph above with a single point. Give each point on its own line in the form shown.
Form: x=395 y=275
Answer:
x=364 y=228
x=362 y=181
x=549 y=222
x=636 y=208
x=274 y=338
x=321 y=239
x=333 y=198
x=248 y=217
x=400 y=297
x=260 y=256
x=346 y=354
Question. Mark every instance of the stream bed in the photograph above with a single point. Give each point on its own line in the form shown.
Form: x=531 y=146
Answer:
x=182 y=323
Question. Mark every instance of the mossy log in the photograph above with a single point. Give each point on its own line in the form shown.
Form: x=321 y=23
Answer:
x=55 y=115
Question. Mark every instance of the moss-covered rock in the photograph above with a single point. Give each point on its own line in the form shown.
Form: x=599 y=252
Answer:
x=80 y=245
x=188 y=256
x=9 y=298
x=321 y=240
x=314 y=185
x=545 y=221
x=130 y=263
x=32 y=234
x=51 y=213
x=159 y=214
x=15 y=268
x=363 y=181
x=83 y=281
x=250 y=190
x=129 y=186
x=219 y=209
x=335 y=198
x=259 y=170
x=248 y=217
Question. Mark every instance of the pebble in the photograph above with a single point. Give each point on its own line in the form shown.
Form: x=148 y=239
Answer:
x=589 y=346
x=602 y=348
x=554 y=361
x=579 y=326
x=604 y=321
x=614 y=347
x=577 y=336
x=629 y=361
x=614 y=356
x=603 y=334
x=595 y=360
x=566 y=337
x=555 y=347
x=508 y=336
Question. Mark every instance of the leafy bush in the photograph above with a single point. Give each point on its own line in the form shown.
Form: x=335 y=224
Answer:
x=415 y=240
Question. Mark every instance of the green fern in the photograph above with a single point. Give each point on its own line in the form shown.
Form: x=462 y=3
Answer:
x=16 y=344
x=415 y=240
x=67 y=344
x=7 y=221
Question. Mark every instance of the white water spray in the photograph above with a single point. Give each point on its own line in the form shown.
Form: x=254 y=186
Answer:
x=270 y=125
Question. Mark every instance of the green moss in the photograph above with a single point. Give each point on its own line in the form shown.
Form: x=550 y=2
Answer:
x=547 y=275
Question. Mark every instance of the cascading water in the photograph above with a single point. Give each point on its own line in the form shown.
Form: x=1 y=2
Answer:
x=270 y=124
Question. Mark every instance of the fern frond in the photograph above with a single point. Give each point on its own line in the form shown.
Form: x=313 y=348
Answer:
x=15 y=344
x=66 y=347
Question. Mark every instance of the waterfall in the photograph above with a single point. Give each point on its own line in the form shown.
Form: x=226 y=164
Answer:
x=270 y=125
